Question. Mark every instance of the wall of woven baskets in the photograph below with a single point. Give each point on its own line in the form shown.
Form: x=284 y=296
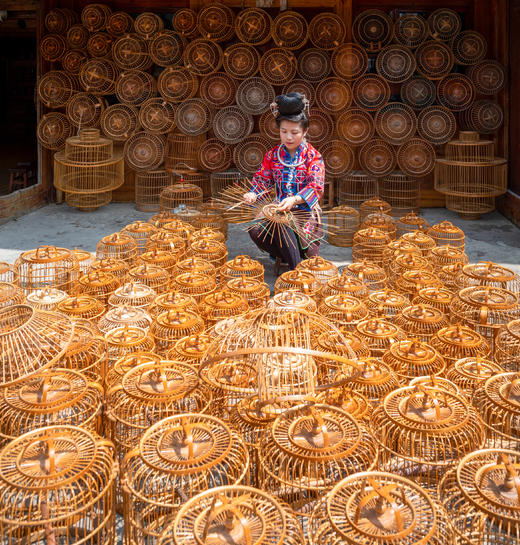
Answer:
x=191 y=92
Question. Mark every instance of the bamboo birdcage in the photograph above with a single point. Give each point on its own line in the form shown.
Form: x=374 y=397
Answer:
x=445 y=233
x=126 y=363
x=45 y=299
x=289 y=30
x=10 y=294
x=313 y=66
x=190 y=349
x=118 y=246
x=125 y=340
x=207 y=233
x=339 y=159
x=321 y=126
x=355 y=188
x=184 y=21
x=352 y=402
x=380 y=221
x=386 y=304
x=148 y=188
x=434 y=59
x=343 y=310
x=85 y=259
x=447 y=255
x=253 y=290
x=471 y=373
x=278 y=66
x=210 y=250
x=300 y=280
x=410 y=282
x=398 y=248
x=410 y=223
x=327 y=30
x=396 y=63
x=119 y=23
x=140 y=231
x=507 y=346
x=197 y=265
x=166 y=48
x=145 y=151
x=173 y=301
x=148 y=24
x=59 y=20
x=77 y=37
x=459 y=341
x=321 y=268
x=423 y=432
x=344 y=284
x=210 y=220
x=85 y=307
x=438 y=297
x=395 y=122
x=406 y=261
x=379 y=507
x=176 y=84
x=368 y=245
x=242 y=266
x=171 y=325
x=254 y=95
x=85 y=110
x=164 y=248
x=180 y=195
x=376 y=380
x=487 y=273
x=356 y=126
x=309 y=448
x=374 y=205
x=118 y=267
x=249 y=153
x=221 y=305
x=488 y=77
x=121 y=316
x=53 y=130
x=416 y=157
x=98 y=284
x=435 y=381
x=344 y=222
x=379 y=335
x=377 y=157
x=422 y=240
x=437 y=124
x=99 y=45
x=130 y=52
x=55 y=88
x=119 y=121
x=98 y=76
x=402 y=193
x=154 y=276
x=52 y=47
x=292 y=299
x=203 y=57
x=157 y=116
x=368 y=272
x=421 y=321
x=349 y=61
x=371 y=92
x=419 y=93
x=347 y=343
x=215 y=155
x=77 y=463
x=176 y=459
x=372 y=29
x=95 y=16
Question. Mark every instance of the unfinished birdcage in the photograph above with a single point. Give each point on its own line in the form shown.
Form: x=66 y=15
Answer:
x=507 y=346
x=292 y=299
x=242 y=266
x=421 y=321
x=254 y=291
x=119 y=246
x=140 y=231
x=153 y=276
x=180 y=196
x=437 y=297
x=69 y=473
x=343 y=223
x=173 y=301
x=403 y=262
x=45 y=299
x=487 y=273
x=124 y=316
x=321 y=268
x=398 y=248
x=470 y=373
x=379 y=335
x=412 y=281
x=125 y=340
x=368 y=245
x=368 y=272
x=344 y=284
x=376 y=380
x=424 y=432
x=220 y=305
x=148 y=187
x=207 y=233
x=343 y=310
x=211 y=251
x=459 y=341
x=53 y=396
x=412 y=358
x=98 y=284
x=173 y=324
x=409 y=223
x=307 y=449
x=378 y=507
x=386 y=304
x=197 y=265
x=10 y=295
x=299 y=280
x=112 y=265
x=176 y=459
x=190 y=349
x=133 y=294
x=423 y=241
x=82 y=307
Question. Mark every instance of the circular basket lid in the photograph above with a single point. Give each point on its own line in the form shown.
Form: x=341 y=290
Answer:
x=119 y=121
x=410 y=29
x=157 y=116
x=55 y=88
x=148 y=25
x=396 y=63
x=98 y=76
x=133 y=87
x=167 y=47
x=356 y=126
x=130 y=52
x=321 y=126
x=254 y=96
x=289 y=30
x=434 y=59
x=396 y=123
x=469 y=47
x=377 y=157
x=349 y=61
x=416 y=157
x=203 y=57
x=371 y=92
x=241 y=61
x=193 y=117
x=253 y=26
x=418 y=92
x=338 y=157
x=53 y=130
x=456 y=92
x=278 y=66
x=313 y=64
x=372 y=29
x=184 y=21
x=177 y=84
x=145 y=151
x=488 y=77
x=215 y=22
x=444 y=24
x=327 y=30
x=437 y=124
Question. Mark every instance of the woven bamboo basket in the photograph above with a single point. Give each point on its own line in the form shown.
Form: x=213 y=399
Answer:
x=349 y=61
x=410 y=29
x=327 y=30
x=418 y=92
x=203 y=57
x=119 y=121
x=119 y=23
x=184 y=21
x=434 y=60
x=278 y=66
x=313 y=65
x=241 y=61
x=144 y=151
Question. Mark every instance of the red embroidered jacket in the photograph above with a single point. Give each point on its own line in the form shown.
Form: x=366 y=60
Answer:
x=307 y=182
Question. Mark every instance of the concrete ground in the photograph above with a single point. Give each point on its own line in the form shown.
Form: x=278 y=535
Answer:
x=492 y=237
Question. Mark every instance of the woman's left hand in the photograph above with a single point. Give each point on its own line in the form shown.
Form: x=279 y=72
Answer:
x=288 y=203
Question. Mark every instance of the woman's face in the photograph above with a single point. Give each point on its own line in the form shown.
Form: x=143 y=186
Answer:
x=291 y=134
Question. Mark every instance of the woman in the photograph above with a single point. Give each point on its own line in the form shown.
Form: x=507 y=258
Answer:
x=296 y=170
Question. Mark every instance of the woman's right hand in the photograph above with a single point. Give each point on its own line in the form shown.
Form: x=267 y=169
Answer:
x=250 y=197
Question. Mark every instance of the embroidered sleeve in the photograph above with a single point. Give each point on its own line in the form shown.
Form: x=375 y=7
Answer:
x=312 y=192
x=263 y=179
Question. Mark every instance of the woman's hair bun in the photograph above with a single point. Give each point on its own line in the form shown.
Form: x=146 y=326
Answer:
x=290 y=104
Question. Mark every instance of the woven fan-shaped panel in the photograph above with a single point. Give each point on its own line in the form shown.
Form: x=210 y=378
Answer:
x=278 y=66
x=396 y=123
x=469 y=47
x=338 y=157
x=203 y=57
x=53 y=129
x=119 y=122
x=456 y=92
x=95 y=16
x=98 y=76
x=77 y=37
x=488 y=76
x=52 y=47
x=216 y=22
x=248 y=154
x=371 y=92
x=73 y=60
x=241 y=61
x=55 y=88
x=253 y=26
x=313 y=64
x=434 y=59
x=436 y=124
x=133 y=87
x=377 y=157
x=268 y=127
x=418 y=92
x=396 y=63
x=410 y=29
x=327 y=30
x=333 y=95
x=483 y=116
x=157 y=116
x=416 y=157
x=167 y=47
x=289 y=30
x=215 y=155
x=100 y=44
x=130 y=52
x=356 y=126
x=306 y=88
x=349 y=61
x=184 y=21
x=372 y=29
x=321 y=126
x=145 y=151
x=58 y=21
x=193 y=117
x=148 y=24
x=254 y=96
x=231 y=124
x=85 y=110
x=120 y=23
x=218 y=89
x=177 y=84
x=444 y=24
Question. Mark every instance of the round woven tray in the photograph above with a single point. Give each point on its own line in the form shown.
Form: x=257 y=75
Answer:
x=377 y=157
x=371 y=92
x=278 y=66
x=216 y=22
x=100 y=44
x=53 y=129
x=145 y=151
x=396 y=123
x=52 y=47
x=218 y=89
x=411 y=30
x=321 y=126
x=253 y=26
x=356 y=126
x=434 y=59
x=85 y=110
x=254 y=96
x=313 y=64
x=203 y=57
x=73 y=60
x=469 y=47
x=119 y=122
x=248 y=154
x=327 y=30
x=372 y=28
x=130 y=52
x=396 y=63
x=306 y=88
x=55 y=88
x=444 y=24
x=119 y=23
x=167 y=47
x=157 y=116
x=349 y=61
x=416 y=157
x=338 y=157
x=77 y=37
x=241 y=61
x=184 y=21
x=268 y=127
x=193 y=116
x=133 y=87
x=95 y=16
x=418 y=92
x=289 y=30
x=231 y=124
x=215 y=155
x=177 y=84
x=456 y=92
x=333 y=95
x=148 y=24
x=436 y=124
x=98 y=76
x=488 y=77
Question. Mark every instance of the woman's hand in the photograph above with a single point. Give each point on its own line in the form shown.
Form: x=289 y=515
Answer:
x=289 y=203
x=250 y=197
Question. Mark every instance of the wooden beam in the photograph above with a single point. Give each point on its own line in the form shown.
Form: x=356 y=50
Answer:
x=19 y=5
